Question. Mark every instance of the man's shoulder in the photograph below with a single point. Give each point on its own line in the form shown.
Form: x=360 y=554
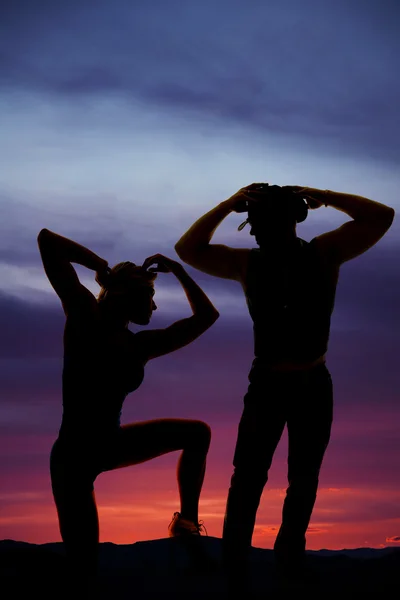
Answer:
x=242 y=261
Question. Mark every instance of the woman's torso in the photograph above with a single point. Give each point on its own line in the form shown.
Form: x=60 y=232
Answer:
x=102 y=365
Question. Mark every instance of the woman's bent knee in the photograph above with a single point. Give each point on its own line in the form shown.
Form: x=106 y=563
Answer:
x=200 y=434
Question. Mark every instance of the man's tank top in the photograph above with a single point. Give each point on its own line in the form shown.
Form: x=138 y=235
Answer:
x=291 y=307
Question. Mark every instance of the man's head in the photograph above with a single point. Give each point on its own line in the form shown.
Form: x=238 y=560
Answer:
x=274 y=214
x=130 y=291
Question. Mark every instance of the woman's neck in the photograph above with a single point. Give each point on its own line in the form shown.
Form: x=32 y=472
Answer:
x=112 y=316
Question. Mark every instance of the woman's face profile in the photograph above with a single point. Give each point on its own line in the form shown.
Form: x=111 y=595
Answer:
x=138 y=303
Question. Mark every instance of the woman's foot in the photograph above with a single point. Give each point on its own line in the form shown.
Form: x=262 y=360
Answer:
x=180 y=526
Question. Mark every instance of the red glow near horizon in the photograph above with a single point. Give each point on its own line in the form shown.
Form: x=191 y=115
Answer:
x=137 y=504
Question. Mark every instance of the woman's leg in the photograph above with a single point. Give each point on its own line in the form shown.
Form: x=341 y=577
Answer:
x=140 y=442
x=74 y=498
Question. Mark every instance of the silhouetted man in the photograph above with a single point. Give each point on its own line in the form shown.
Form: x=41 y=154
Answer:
x=290 y=287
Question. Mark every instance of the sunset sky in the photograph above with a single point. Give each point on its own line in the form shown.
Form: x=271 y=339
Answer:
x=121 y=123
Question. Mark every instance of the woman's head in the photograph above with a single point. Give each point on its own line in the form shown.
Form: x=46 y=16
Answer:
x=130 y=289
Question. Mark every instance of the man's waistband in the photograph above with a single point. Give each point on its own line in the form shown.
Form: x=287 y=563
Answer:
x=289 y=365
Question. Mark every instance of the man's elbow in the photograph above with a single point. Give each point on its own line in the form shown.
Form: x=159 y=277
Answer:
x=183 y=252
x=179 y=249
x=381 y=219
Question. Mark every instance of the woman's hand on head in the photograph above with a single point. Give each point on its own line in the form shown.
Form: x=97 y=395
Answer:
x=162 y=264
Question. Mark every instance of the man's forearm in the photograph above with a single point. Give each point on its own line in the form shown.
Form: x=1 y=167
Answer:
x=357 y=207
x=202 y=231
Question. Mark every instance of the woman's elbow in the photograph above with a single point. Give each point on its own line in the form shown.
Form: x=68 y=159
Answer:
x=42 y=233
x=386 y=219
x=206 y=318
x=213 y=316
x=43 y=236
x=387 y=214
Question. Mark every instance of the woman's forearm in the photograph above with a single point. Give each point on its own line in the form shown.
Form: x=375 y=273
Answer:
x=199 y=302
x=357 y=207
x=70 y=250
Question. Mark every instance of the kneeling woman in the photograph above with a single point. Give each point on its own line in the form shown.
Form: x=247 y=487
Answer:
x=103 y=362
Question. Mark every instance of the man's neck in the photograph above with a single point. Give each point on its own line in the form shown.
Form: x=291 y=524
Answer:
x=283 y=247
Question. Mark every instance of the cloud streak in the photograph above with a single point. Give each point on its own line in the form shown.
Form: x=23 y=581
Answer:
x=327 y=77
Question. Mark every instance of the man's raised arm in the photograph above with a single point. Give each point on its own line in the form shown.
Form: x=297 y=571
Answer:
x=194 y=247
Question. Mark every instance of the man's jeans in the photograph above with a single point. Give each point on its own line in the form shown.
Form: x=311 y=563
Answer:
x=303 y=401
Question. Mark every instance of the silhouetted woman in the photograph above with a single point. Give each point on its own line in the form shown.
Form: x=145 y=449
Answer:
x=103 y=362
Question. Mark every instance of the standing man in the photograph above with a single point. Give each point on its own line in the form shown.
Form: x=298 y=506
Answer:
x=290 y=288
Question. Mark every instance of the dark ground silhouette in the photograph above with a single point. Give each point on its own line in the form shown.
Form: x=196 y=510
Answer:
x=162 y=569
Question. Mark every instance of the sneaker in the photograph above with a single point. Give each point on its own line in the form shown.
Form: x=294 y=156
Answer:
x=180 y=526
